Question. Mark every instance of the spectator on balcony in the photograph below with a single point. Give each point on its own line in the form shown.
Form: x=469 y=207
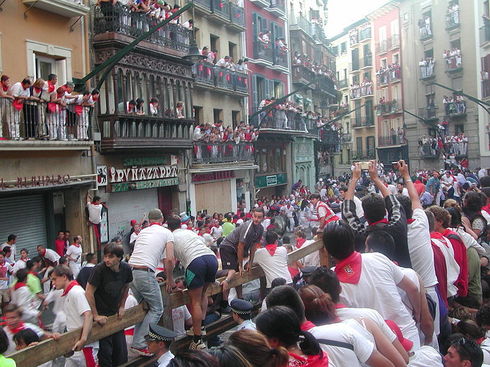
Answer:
x=224 y=62
x=264 y=39
x=282 y=46
x=32 y=110
x=21 y=93
x=241 y=66
x=179 y=110
x=189 y=24
x=108 y=8
x=82 y=109
x=5 y=104
x=154 y=107
x=140 y=106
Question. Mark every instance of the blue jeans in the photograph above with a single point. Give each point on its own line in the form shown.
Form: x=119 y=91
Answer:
x=145 y=288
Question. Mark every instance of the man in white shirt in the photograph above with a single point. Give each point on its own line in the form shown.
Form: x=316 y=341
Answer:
x=288 y=211
x=11 y=241
x=371 y=280
x=158 y=340
x=94 y=208
x=78 y=315
x=153 y=244
x=200 y=265
x=223 y=62
x=21 y=93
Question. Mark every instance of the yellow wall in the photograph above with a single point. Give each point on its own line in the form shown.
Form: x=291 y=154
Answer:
x=40 y=26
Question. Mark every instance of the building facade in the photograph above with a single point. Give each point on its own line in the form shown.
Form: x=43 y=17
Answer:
x=440 y=38
x=390 y=138
x=483 y=34
x=43 y=181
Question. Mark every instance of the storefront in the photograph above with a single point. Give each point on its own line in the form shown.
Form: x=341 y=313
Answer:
x=219 y=191
x=43 y=193
x=131 y=186
x=270 y=185
x=304 y=161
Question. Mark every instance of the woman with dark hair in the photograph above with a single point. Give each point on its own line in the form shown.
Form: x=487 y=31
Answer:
x=321 y=310
x=228 y=355
x=473 y=202
x=4 y=345
x=193 y=358
x=257 y=350
x=25 y=338
x=281 y=326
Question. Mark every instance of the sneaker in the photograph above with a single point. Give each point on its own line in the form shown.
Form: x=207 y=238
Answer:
x=141 y=351
x=197 y=346
x=190 y=332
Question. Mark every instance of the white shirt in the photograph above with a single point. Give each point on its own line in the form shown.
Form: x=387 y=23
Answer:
x=469 y=240
x=312 y=259
x=10 y=336
x=165 y=359
x=341 y=332
x=51 y=255
x=426 y=356
x=451 y=264
x=377 y=289
x=420 y=249
x=94 y=213
x=247 y=325
x=345 y=313
x=179 y=316
x=12 y=247
x=188 y=246
x=75 y=252
x=17 y=90
x=275 y=266
x=133 y=237
x=150 y=246
x=19 y=264
x=75 y=305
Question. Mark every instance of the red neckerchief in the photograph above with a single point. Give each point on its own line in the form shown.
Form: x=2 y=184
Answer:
x=439 y=236
x=69 y=287
x=154 y=224
x=448 y=232
x=95 y=98
x=20 y=327
x=76 y=244
x=5 y=88
x=384 y=220
x=308 y=360
x=340 y=305
x=19 y=285
x=349 y=269
x=51 y=87
x=307 y=325
x=410 y=220
x=38 y=90
x=300 y=242
x=271 y=248
x=486 y=208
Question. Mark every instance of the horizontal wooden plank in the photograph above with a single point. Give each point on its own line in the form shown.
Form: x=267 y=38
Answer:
x=50 y=349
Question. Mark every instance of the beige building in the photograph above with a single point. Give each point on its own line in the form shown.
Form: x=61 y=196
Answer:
x=43 y=183
x=483 y=40
x=439 y=39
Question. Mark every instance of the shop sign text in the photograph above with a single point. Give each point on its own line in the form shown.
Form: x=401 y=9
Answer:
x=134 y=174
x=35 y=181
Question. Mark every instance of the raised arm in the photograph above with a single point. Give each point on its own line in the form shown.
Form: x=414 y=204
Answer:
x=412 y=192
x=373 y=174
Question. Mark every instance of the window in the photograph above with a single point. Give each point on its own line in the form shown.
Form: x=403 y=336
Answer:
x=278 y=89
x=382 y=34
x=369 y=111
x=384 y=63
x=457 y=83
x=458 y=129
x=396 y=59
x=429 y=53
x=217 y=114
x=355 y=59
x=198 y=114
x=335 y=50
x=359 y=146
x=366 y=75
x=214 y=42
x=343 y=47
x=355 y=79
x=456 y=44
x=235 y=117
x=232 y=51
x=345 y=74
x=44 y=67
x=395 y=29
x=41 y=54
x=366 y=49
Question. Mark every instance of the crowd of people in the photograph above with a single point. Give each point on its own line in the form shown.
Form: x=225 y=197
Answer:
x=44 y=110
x=307 y=62
x=453 y=58
x=216 y=140
x=454 y=105
x=426 y=66
x=452 y=16
x=358 y=90
x=449 y=145
x=409 y=284
x=389 y=73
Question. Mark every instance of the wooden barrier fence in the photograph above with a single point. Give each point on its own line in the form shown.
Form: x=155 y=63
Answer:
x=50 y=349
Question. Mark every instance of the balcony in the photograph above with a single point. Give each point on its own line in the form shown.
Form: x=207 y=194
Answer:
x=263 y=53
x=278 y=8
x=428 y=151
x=394 y=42
x=425 y=29
x=364 y=34
x=388 y=108
x=428 y=113
x=346 y=138
x=363 y=90
x=281 y=57
x=454 y=61
x=125 y=25
x=343 y=83
x=283 y=121
x=455 y=110
x=204 y=6
x=485 y=33
x=311 y=29
x=225 y=152
x=265 y=4
x=452 y=19
x=237 y=17
x=360 y=155
x=485 y=88
x=42 y=126
x=65 y=8
x=382 y=47
x=389 y=74
x=220 y=9
x=362 y=121
x=325 y=84
x=124 y=131
x=226 y=80
x=427 y=69
x=302 y=75
x=367 y=61
x=389 y=140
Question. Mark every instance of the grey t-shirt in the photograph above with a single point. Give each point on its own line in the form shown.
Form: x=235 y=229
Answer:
x=248 y=233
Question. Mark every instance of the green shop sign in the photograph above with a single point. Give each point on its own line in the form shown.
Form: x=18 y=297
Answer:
x=141 y=185
x=271 y=180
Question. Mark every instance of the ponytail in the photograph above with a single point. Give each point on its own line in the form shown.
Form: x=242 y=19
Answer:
x=279 y=356
x=309 y=345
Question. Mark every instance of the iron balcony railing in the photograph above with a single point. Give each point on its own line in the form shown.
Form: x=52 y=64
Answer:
x=120 y=19
x=223 y=152
x=207 y=73
x=33 y=120
x=388 y=108
x=388 y=140
x=454 y=63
